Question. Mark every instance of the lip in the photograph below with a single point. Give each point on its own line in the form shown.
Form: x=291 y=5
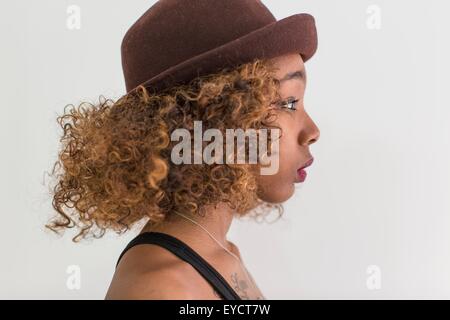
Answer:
x=301 y=173
x=307 y=164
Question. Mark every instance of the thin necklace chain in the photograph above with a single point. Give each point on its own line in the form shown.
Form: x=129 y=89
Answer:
x=198 y=224
x=231 y=253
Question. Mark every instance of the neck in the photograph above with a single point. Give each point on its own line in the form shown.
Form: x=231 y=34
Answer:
x=217 y=220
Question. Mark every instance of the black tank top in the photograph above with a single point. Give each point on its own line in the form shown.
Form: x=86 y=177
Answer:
x=186 y=253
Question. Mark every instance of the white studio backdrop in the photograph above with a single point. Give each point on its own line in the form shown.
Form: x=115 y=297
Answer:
x=370 y=222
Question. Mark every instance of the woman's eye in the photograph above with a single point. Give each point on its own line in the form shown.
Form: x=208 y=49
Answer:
x=290 y=104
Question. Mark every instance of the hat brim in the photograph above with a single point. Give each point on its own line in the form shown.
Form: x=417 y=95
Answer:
x=294 y=34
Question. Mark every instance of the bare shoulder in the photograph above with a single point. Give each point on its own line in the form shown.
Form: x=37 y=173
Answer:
x=152 y=285
x=161 y=276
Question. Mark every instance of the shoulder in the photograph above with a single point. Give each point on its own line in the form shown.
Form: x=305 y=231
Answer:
x=152 y=272
x=152 y=285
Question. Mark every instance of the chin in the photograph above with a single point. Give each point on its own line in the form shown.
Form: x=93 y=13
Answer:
x=278 y=194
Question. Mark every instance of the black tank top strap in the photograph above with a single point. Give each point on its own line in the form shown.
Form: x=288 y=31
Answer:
x=186 y=253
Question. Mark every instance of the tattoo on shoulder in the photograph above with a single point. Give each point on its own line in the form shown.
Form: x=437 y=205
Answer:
x=241 y=286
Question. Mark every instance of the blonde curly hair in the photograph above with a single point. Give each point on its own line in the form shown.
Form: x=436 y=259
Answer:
x=114 y=165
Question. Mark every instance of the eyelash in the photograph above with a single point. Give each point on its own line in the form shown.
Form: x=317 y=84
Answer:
x=285 y=103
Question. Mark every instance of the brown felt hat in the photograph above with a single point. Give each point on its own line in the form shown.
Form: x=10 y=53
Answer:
x=176 y=40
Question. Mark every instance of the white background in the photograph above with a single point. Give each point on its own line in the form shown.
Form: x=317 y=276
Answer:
x=377 y=193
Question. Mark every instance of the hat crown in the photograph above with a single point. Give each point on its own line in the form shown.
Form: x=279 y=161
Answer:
x=172 y=31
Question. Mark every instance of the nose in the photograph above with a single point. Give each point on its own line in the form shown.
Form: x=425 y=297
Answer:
x=310 y=133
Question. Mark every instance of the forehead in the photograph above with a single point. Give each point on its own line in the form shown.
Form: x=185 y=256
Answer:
x=287 y=63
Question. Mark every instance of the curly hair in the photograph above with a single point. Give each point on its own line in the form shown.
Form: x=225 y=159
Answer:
x=114 y=167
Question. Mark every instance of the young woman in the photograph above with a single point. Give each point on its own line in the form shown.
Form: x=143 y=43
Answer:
x=116 y=167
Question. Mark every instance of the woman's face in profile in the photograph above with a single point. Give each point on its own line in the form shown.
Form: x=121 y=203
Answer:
x=298 y=131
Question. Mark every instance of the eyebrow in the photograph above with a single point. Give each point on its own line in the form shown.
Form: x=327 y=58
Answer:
x=299 y=74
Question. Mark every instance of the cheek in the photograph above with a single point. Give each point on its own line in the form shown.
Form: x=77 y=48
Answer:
x=279 y=187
